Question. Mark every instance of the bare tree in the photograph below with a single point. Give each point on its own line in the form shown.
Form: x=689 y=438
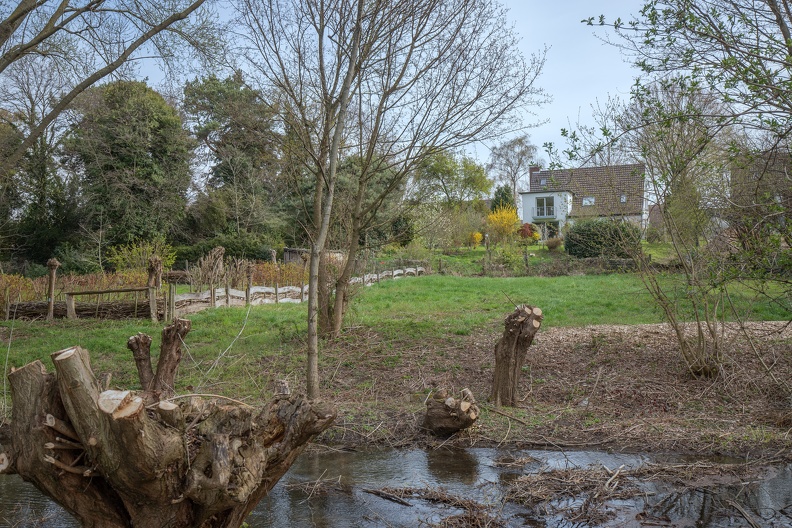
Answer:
x=511 y=160
x=307 y=54
x=87 y=40
x=383 y=81
x=683 y=141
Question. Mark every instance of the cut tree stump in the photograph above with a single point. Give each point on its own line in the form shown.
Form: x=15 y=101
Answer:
x=510 y=353
x=445 y=415
x=137 y=459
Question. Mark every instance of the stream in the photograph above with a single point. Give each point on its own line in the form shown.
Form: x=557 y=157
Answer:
x=329 y=489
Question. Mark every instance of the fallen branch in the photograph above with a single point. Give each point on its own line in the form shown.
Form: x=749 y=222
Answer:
x=387 y=496
x=747 y=516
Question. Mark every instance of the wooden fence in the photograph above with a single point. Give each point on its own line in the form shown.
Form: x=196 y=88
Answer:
x=256 y=295
x=157 y=304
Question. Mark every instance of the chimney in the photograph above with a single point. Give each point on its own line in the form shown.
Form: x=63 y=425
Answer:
x=533 y=169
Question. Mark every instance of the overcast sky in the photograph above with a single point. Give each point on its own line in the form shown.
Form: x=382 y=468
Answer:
x=580 y=69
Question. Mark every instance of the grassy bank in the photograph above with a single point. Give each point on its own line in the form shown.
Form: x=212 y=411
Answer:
x=404 y=338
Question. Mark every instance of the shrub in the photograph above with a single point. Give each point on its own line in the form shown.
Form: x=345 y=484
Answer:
x=530 y=234
x=474 y=239
x=603 y=238
x=510 y=259
x=503 y=222
x=553 y=243
x=135 y=256
x=245 y=246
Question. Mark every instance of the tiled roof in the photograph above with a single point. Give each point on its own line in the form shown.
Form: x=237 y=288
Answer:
x=762 y=177
x=608 y=186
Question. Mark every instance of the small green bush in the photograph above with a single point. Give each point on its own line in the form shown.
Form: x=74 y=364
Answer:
x=511 y=258
x=553 y=243
x=603 y=238
x=135 y=256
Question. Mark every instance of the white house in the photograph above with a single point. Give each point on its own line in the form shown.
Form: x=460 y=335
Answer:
x=558 y=197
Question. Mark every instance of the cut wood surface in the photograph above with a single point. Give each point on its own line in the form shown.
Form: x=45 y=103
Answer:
x=445 y=415
x=510 y=353
x=122 y=458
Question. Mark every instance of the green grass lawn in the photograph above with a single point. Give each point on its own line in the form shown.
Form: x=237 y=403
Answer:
x=459 y=305
x=433 y=307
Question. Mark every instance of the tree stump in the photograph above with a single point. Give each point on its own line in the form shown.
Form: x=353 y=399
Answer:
x=133 y=459
x=445 y=415
x=510 y=352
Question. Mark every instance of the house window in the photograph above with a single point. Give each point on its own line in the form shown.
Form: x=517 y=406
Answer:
x=543 y=181
x=623 y=198
x=545 y=207
x=588 y=200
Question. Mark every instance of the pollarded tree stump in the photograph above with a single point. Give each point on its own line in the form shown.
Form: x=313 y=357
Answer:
x=126 y=459
x=445 y=415
x=510 y=353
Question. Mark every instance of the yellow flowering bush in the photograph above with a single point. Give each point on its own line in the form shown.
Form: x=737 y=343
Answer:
x=503 y=223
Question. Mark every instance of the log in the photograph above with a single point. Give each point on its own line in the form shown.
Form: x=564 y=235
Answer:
x=446 y=415
x=510 y=353
x=203 y=464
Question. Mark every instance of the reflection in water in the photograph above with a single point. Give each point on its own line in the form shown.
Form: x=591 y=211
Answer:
x=472 y=474
x=452 y=465
x=23 y=506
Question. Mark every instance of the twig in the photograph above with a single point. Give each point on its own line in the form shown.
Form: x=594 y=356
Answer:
x=510 y=299
x=496 y=411
x=202 y=396
x=217 y=361
x=77 y=470
x=744 y=513
x=615 y=474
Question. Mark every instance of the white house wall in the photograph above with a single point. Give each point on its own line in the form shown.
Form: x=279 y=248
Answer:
x=562 y=204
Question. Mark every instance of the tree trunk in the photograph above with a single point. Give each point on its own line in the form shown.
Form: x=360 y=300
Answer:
x=510 y=352
x=113 y=460
x=342 y=292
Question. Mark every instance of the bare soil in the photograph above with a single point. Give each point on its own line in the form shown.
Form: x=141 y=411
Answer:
x=609 y=387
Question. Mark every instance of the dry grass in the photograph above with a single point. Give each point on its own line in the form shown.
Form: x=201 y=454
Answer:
x=617 y=386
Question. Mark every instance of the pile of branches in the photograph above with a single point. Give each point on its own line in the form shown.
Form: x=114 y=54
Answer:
x=557 y=492
x=550 y=490
x=475 y=514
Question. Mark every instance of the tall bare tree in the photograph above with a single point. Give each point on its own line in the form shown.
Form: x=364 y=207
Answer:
x=307 y=53
x=511 y=160
x=388 y=82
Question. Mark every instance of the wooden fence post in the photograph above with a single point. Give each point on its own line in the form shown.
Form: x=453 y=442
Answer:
x=227 y=292
x=212 y=302
x=152 y=294
x=53 y=266
x=71 y=312
x=171 y=302
x=154 y=282
x=7 y=303
x=250 y=270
